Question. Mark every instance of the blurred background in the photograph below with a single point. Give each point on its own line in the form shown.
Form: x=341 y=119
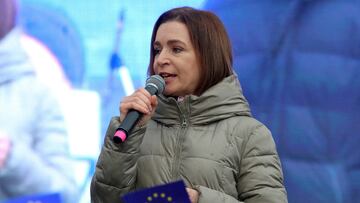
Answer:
x=298 y=62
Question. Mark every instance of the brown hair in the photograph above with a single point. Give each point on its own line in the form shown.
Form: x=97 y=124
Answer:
x=210 y=41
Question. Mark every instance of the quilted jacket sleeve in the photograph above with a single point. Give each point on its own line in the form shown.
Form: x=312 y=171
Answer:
x=261 y=178
x=115 y=172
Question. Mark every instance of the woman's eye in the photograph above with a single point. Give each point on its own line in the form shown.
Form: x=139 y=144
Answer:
x=156 y=51
x=177 y=49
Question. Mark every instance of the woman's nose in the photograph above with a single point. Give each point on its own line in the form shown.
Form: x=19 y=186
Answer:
x=162 y=58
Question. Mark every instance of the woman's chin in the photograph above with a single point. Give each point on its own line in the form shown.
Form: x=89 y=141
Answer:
x=169 y=93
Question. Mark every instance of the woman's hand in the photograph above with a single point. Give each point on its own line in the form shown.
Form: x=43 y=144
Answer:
x=142 y=101
x=193 y=195
x=5 y=146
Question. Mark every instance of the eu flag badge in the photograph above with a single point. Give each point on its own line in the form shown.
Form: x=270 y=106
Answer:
x=169 y=193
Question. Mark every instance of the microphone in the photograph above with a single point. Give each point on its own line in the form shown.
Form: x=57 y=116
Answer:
x=155 y=85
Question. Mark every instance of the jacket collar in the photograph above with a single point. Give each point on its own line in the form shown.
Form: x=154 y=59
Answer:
x=219 y=102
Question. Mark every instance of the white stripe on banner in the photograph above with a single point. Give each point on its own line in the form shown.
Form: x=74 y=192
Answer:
x=126 y=80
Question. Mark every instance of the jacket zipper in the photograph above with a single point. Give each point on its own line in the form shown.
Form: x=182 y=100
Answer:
x=184 y=123
x=179 y=141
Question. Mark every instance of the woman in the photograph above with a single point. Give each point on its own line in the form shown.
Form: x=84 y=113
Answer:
x=34 y=154
x=200 y=130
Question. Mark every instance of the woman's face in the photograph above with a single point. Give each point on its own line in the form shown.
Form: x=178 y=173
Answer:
x=175 y=59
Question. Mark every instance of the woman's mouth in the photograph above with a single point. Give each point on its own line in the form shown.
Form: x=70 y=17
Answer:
x=167 y=75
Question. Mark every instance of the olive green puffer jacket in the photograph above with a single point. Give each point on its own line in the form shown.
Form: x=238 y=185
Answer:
x=211 y=142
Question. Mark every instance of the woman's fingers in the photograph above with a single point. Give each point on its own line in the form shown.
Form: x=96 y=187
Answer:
x=154 y=103
x=141 y=100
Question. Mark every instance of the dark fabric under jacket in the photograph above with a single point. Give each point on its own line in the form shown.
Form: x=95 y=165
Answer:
x=211 y=142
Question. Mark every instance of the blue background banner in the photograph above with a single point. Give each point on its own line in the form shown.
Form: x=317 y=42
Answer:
x=46 y=198
x=298 y=62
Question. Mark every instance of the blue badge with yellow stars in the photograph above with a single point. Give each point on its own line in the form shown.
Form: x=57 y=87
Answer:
x=169 y=193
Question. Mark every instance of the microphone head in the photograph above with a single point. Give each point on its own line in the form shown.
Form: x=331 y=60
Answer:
x=158 y=82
